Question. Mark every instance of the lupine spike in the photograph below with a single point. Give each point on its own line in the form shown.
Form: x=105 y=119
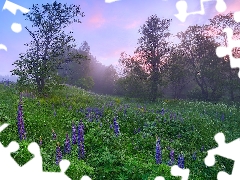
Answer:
x=58 y=154
x=116 y=127
x=81 y=151
x=171 y=162
x=158 y=155
x=181 y=161
x=74 y=131
x=20 y=121
x=40 y=141
x=67 y=145
x=54 y=135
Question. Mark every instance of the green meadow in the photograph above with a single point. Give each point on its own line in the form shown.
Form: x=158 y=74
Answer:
x=187 y=127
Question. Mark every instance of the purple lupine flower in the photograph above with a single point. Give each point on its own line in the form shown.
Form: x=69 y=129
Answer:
x=67 y=145
x=80 y=133
x=111 y=126
x=194 y=156
x=171 y=162
x=222 y=118
x=181 y=161
x=158 y=155
x=40 y=141
x=74 y=132
x=116 y=127
x=20 y=122
x=81 y=151
x=54 y=113
x=58 y=154
x=202 y=148
x=54 y=135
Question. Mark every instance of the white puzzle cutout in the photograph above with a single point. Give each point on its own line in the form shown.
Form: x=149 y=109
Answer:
x=227 y=150
x=177 y=171
x=182 y=8
x=16 y=27
x=222 y=51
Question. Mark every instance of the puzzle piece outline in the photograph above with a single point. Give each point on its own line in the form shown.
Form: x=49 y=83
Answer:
x=182 y=7
x=34 y=165
x=223 y=150
x=222 y=51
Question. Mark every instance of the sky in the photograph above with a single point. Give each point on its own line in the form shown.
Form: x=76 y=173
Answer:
x=109 y=28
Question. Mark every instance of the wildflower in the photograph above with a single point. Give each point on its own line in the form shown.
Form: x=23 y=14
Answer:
x=171 y=162
x=58 y=154
x=116 y=127
x=81 y=151
x=54 y=113
x=194 y=156
x=20 y=122
x=40 y=142
x=111 y=126
x=67 y=145
x=54 y=135
x=74 y=130
x=222 y=118
x=158 y=155
x=80 y=133
x=181 y=161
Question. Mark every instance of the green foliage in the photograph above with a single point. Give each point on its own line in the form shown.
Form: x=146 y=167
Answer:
x=49 y=48
x=131 y=155
x=86 y=83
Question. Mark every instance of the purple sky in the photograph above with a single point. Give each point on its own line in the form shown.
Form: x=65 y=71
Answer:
x=109 y=28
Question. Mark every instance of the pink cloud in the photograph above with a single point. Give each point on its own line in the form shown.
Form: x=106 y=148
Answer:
x=134 y=24
x=96 y=21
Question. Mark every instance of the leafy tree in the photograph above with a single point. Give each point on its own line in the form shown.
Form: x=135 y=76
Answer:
x=73 y=71
x=216 y=27
x=86 y=83
x=154 y=48
x=177 y=72
x=38 y=66
x=133 y=82
x=205 y=66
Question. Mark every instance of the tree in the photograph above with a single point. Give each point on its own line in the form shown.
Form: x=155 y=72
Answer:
x=133 y=82
x=177 y=72
x=204 y=64
x=73 y=71
x=38 y=66
x=154 y=48
x=216 y=27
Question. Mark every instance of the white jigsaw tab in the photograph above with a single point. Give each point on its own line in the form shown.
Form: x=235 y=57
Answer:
x=10 y=165
x=177 y=171
x=227 y=150
x=182 y=8
x=223 y=51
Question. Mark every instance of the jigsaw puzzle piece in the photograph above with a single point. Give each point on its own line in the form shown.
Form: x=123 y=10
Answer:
x=223 y=51
x=182 y=8
x=177 y=171
x=35 y=164
x=10 y=165
x=237 y=16
x=64 y=164
x=227 y=150
x=159 y=178
x=5 y=125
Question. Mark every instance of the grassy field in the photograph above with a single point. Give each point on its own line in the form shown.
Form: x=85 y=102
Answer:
x=186 y=127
